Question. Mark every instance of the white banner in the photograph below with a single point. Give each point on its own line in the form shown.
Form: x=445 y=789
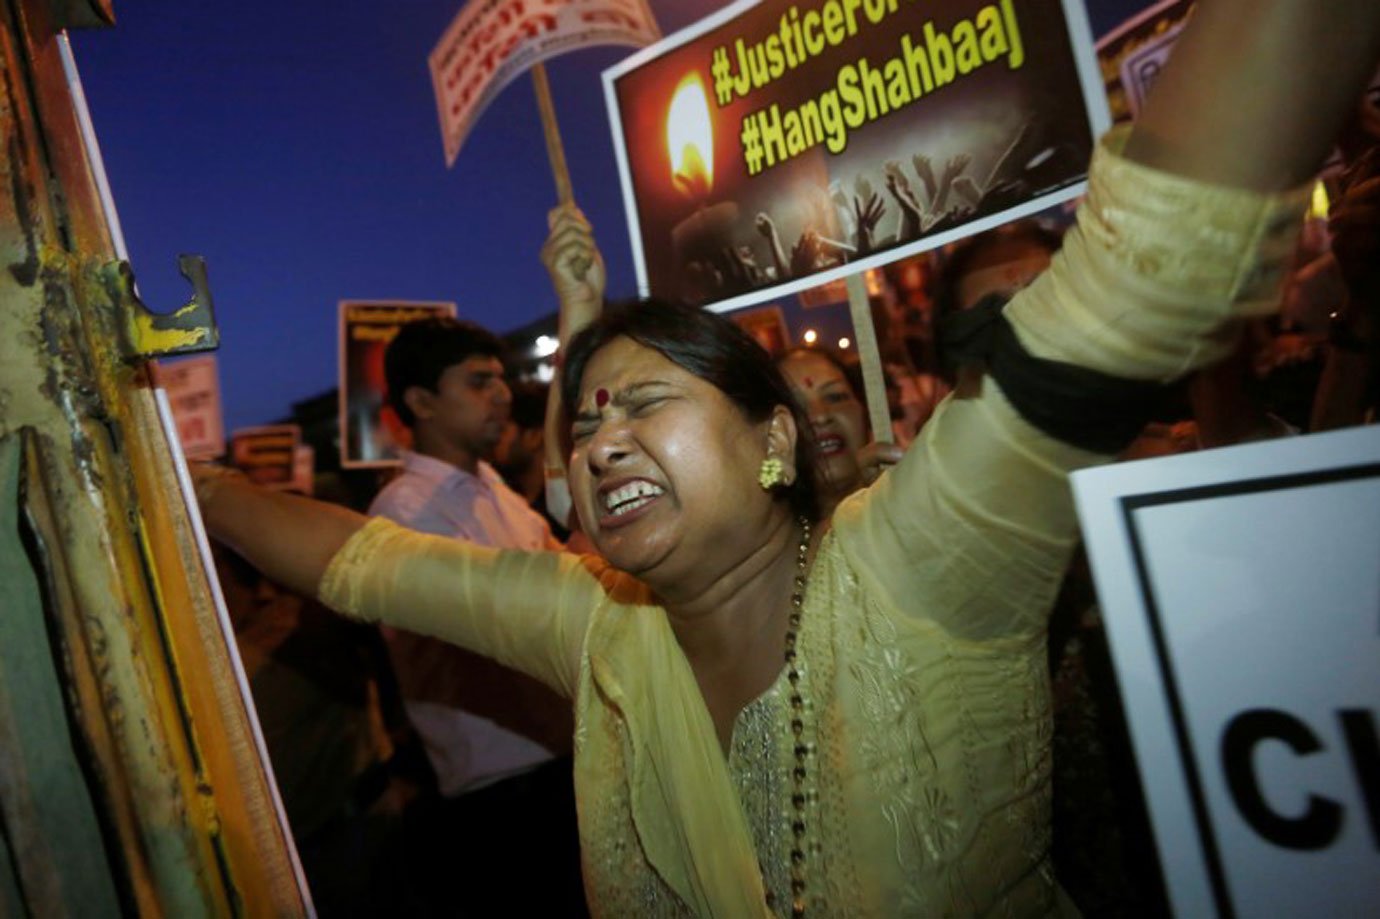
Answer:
x=193 y=387
x=493 y=41
x=1241 y=593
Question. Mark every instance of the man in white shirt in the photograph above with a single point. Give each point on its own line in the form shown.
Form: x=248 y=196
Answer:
x=498 y=740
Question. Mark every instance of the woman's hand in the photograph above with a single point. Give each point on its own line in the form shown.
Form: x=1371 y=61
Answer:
x=207 y=479
x=573 y=260
x=577 y=273
x=877 y=457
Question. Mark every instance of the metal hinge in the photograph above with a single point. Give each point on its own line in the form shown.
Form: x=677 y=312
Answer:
x=145 y=334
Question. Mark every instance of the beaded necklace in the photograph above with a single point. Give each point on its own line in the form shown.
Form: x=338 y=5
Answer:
x=802 y=749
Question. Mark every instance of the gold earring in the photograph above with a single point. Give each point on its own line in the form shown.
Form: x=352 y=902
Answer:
x=772 y=473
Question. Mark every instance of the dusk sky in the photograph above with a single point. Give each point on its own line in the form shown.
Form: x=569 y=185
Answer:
x=296 y=146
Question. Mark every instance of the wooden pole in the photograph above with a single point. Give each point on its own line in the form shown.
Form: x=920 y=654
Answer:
x=555 y=152
x=874 y=383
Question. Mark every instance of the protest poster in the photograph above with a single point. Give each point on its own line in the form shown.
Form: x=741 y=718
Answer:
x=772 y=148
x=1133 y=54
x=304 y=470
x=370 y=433
x=767 y=326
x=1240 y=590
x=491 y=42
x=267 y=454
x=193 y=388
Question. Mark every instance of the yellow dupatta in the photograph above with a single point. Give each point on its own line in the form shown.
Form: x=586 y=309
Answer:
x=684 y=806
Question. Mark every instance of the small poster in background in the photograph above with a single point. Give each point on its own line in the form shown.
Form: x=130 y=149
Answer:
x=193 y=388
x=767 y=326
x=1241 y=593
x=1134 y=53
x=304 y=470
x=267 y=454
x=370 y=433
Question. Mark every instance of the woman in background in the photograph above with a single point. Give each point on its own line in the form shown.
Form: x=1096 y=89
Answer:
x=846 y=457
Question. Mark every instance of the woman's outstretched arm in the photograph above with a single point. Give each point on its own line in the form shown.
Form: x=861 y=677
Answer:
x=526 y=610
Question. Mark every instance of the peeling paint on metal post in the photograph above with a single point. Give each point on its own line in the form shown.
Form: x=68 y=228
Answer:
x=159 y=744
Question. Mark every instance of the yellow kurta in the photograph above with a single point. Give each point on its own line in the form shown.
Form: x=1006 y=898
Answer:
x=922 y=649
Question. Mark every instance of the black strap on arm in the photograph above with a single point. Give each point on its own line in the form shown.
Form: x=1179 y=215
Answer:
x=1082 y=407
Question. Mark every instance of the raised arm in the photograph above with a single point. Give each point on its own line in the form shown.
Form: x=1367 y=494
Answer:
x=1178 y=238
x=1255 y=92
x=1246 y=107
x=577 y=273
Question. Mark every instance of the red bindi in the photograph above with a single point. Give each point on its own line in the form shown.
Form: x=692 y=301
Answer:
x=601 y=397
x=809 y=383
